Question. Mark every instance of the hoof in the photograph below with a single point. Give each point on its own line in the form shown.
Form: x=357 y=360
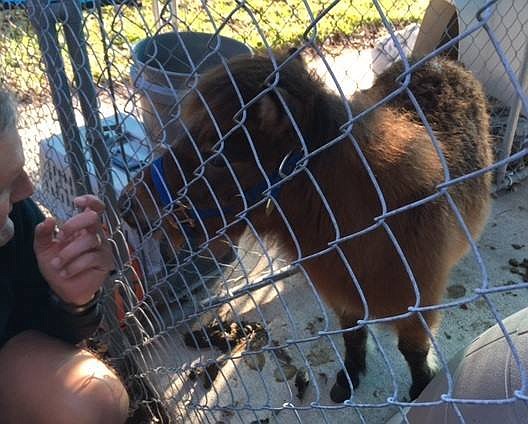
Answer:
x=339 y=394
x=415 y=391
x=341 y=390
x=418 y=386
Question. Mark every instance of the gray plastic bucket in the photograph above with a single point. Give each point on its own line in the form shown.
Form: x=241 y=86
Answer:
x=161 y=71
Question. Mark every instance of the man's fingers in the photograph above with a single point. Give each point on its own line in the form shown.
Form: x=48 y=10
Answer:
x=44 y=233
x=87 y=220
x=89 y=201
x=85 y=242
x=90 y=260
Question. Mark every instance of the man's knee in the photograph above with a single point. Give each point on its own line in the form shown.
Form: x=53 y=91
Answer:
x=96 y=392
x=42 y=375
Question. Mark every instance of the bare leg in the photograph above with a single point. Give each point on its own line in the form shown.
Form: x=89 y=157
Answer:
x=355 y=362
x=44 y=380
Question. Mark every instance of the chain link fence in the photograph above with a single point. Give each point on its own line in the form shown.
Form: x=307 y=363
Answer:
x=277 y=191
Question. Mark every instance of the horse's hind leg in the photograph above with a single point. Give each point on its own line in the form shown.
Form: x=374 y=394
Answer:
x=414 y=344
x=355 y=362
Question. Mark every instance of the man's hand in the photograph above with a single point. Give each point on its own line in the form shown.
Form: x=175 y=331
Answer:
x=75 y=261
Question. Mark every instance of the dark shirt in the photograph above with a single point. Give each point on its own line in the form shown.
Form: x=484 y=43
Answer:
x=25 y=299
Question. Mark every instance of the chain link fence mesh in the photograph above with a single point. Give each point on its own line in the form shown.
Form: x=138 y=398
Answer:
x=225 y=327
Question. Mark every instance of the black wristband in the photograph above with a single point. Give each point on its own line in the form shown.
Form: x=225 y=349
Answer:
x=73 y=309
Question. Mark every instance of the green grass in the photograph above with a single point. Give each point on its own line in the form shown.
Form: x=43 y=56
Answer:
x=282 y=22
x=285 y=21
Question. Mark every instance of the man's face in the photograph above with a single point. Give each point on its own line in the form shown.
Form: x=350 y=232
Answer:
x=14 y=182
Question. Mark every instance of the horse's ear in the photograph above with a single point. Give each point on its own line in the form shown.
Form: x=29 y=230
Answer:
x=296 y=53
x=273 y=110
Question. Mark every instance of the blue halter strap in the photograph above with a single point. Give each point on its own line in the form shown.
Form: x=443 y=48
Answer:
x=158 y=177
x=252 y=195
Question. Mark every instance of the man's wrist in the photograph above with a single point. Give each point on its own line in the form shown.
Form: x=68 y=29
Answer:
x=74 y=309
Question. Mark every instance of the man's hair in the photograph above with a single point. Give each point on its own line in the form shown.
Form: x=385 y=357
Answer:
x=8 y=115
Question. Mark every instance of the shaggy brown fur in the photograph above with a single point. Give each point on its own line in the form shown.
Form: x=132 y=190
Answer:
x=401 y=155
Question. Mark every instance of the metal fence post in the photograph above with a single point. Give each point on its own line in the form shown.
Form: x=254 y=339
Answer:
x=44 y=17
x=44 y=25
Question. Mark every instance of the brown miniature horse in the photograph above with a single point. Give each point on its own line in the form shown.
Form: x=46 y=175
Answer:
x=253 y=124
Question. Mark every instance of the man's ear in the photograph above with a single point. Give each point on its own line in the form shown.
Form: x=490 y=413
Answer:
x=273 y=111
